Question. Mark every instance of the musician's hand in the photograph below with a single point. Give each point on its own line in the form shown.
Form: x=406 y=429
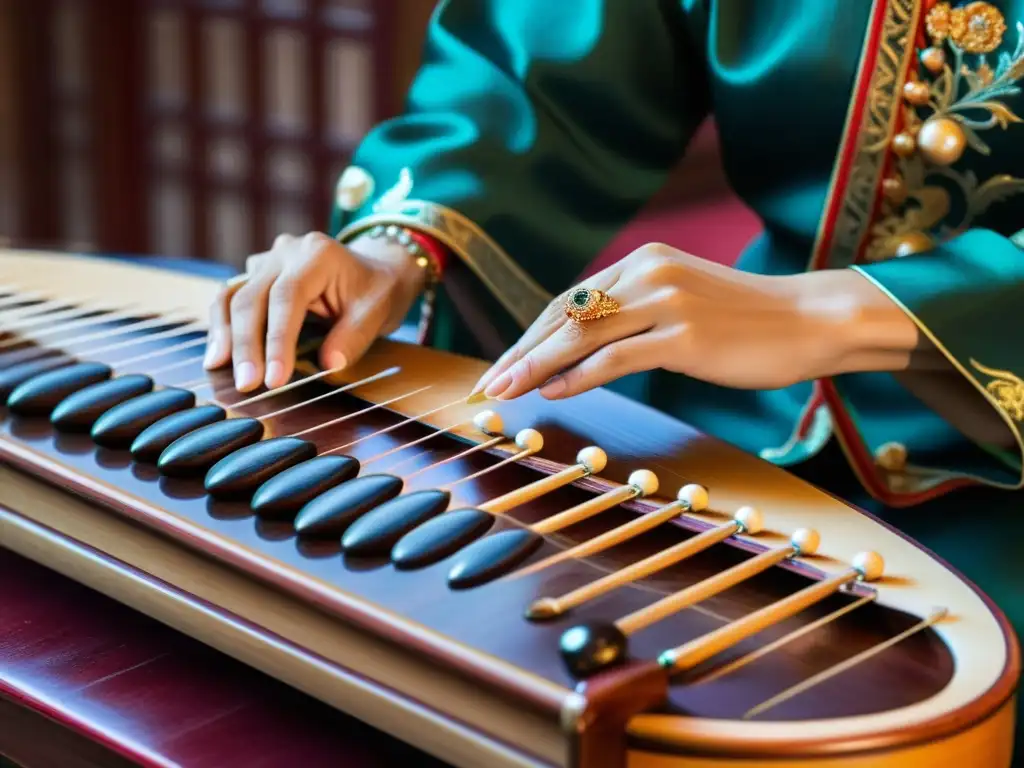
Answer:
x=368 y=289
x=710 y=322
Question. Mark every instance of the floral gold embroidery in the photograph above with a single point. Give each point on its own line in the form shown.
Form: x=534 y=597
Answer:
x=938 y=22
x=977 y=28
x=1006 y=388
x=962 y=103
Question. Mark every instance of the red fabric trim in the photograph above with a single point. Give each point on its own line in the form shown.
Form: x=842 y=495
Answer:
x=922 y=40
x=863 y=461
x=804 y=425
x=849 y=149
x=433 y=247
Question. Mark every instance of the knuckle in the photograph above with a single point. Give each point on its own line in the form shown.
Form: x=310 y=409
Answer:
x=313 y=242
x=241 y=302
x=256 y=262
x=287 y=289
x=674 y=298
x=528 y=366
x=573 y=331
x=278 y=336
x=282 y=241
x=555 y=309
x=609 y=358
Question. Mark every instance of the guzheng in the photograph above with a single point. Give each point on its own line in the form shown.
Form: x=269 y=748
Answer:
x=577 y=583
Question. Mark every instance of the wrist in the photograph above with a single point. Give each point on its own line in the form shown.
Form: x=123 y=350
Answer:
x=854 y=327
x=395 y=259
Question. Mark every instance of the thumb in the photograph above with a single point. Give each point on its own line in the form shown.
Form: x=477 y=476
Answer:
x=352 y=335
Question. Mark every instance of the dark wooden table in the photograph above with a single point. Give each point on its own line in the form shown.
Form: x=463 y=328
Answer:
x=85 y=681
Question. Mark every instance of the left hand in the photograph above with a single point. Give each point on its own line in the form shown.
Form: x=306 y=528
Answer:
x=694 y=317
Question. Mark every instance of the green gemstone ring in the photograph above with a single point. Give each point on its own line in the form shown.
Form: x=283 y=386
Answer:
x=584 y=304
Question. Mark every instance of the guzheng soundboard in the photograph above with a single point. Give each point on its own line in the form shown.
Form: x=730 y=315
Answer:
x=531 y=583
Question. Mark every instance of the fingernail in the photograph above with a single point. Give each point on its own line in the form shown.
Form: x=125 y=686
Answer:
x=336 y=360
x=554 y=387
x=480 y=384
x=245 y=376
x=275 y=374
x=212 y=353
x=499 y=385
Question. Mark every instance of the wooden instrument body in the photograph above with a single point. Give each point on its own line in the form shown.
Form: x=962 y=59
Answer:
x=462 y=674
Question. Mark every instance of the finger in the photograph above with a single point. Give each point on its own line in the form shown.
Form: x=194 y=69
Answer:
x=352 y=335
x=290 y=297
x=510 y=356
x=548 y=323
x=634 y=354
x=567 y=346
x=248 y=321
x=218 y=338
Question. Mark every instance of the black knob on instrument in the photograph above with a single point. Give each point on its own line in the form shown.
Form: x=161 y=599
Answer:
x=591 y=648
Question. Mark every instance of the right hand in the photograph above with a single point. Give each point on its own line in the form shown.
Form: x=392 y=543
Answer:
x=367 y=289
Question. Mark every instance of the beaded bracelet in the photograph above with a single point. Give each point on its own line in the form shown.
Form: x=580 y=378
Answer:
x=427 y=258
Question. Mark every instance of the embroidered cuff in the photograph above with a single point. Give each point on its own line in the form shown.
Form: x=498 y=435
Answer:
x=517 y=292
x=965 y=297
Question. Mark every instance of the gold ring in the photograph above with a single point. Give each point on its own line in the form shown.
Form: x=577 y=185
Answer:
x=584 y=304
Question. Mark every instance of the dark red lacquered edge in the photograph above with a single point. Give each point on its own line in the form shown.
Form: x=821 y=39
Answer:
x=356 y=611
x=63 y=715
x=53 y=712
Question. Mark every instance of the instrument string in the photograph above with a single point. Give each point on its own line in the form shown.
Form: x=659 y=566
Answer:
x=362 y=412
x=49 y=310
x=160 y=352
x=21 y=322
x=171 y=333
x=461 y=455
x=404 y=422
x=937 y=615
x=796 y=634
x=15 y=299
x=518 y=456
x=127 y=314
x=43 y=305
x=306 y=380
x=867 y=566
x=417 y=441
x=179 y=364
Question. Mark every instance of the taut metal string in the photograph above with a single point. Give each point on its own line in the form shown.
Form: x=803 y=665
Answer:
x=132 y=327
x=308 y=379
x=410 y=420
x=366 y=410
x=461 y=455
x=937 y=615
x=764 y=650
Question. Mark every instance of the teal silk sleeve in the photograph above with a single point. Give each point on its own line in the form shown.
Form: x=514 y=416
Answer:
x=967 y=296
x=534 y=131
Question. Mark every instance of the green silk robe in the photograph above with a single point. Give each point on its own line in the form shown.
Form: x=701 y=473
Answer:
x=536 y=129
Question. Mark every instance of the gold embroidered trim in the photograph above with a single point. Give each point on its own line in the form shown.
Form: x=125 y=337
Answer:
x=875 y=132
x=929 y=146
x=517 y=292
x=985 y=391
x=1006 y=388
